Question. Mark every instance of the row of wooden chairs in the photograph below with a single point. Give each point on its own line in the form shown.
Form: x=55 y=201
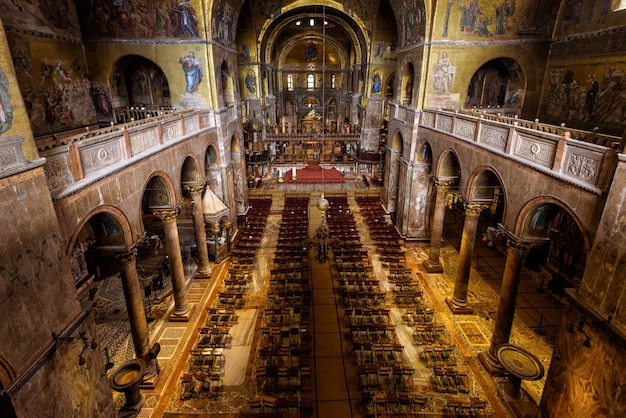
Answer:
x=418 y=315
x=273 y=379
x=449 y=380
x=200 y=384
x=358 y=316
x=283 y=407
x=214 y=337
x=465 y=407
x=368 y=354
x=430 y=334
x=380 y=404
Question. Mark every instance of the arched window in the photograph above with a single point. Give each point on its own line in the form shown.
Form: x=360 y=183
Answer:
x=310 y=81
x=290 y=82
x=333 y=81
x=619 y=5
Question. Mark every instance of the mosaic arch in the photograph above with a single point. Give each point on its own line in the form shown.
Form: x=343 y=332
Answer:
x=212 y=157
x=190 y=172
x=449 y=166
x=135 y=81
x=158 y=194
x=498 y=82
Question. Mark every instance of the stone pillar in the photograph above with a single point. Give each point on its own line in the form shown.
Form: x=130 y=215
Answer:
x=516 y=253
x=392 y=173
x=433 y=264
x=458 y=304
x=204 y=268
x=227 y=226
x=133 y=295
x=182 y=310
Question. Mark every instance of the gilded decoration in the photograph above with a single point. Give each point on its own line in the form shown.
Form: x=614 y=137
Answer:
x=590 y=94
x=156 y=19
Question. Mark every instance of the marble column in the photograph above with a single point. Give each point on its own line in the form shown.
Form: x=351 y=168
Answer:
x=227 y=226
x=516 y=253
x=433 y=264
x=182 y=309
x=204 y=268
x=458 y=304
x=133 y=295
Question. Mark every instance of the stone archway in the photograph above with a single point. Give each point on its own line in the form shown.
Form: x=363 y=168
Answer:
x=498 y=83
x=137 y=81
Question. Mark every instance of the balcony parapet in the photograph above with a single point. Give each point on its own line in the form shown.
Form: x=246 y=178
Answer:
x=81 y=159
x=584 y=159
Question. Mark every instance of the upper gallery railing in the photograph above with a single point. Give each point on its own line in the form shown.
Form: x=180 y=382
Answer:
x=587 y=159
x=78 y=159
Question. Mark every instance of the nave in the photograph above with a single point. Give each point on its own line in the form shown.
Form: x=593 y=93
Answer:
x=366 y=333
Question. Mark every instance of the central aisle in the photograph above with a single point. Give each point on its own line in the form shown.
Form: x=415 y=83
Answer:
x=332 y=391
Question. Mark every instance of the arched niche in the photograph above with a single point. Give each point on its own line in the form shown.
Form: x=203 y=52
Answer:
x=137 y=81
x=390 y=86
x=408 y=79
x=228 y=84
x=500 y=82
x=106 y=229
x=449 y=169
x=563 y=259
x=190 y=171
x=158 y=194
x=486 y=187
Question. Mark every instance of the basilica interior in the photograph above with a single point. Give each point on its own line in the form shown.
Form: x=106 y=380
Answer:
x=300 y=208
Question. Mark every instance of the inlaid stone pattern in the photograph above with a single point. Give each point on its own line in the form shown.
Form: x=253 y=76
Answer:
x=465 y=129
x=97 y=156
x=444 y=123
x=534 y=149
x=171 y=131
x=494 y=137
x=57 y=171
x=143 y=140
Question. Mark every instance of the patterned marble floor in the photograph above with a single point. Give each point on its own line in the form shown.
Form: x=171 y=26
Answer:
x=470 y=333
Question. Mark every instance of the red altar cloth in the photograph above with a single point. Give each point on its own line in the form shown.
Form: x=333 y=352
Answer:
x=313 y=173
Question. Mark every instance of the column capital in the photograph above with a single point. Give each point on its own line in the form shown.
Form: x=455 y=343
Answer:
x=126 y=256
x=515 y=245
x=444 y=185
x=194 y=189
x=167 y=215
x=474 y=209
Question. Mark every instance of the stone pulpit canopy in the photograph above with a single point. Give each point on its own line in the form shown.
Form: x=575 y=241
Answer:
x=214 y=209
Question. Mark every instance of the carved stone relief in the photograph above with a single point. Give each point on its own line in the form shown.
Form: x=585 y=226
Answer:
x=141 y=141
x=100 y=155
x=444 y=123
x=535 y=150
x=494 y=137
x=465 y=129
